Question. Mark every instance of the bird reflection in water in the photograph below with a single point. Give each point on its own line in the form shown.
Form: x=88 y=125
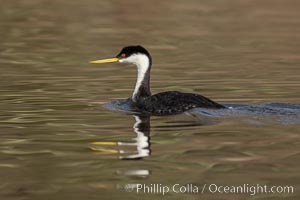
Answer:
x=141 y=142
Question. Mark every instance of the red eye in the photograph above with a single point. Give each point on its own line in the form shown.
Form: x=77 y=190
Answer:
x=123 y=55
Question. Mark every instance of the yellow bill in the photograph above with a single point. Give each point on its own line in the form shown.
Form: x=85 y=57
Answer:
x=110 y=60
x=104 y=143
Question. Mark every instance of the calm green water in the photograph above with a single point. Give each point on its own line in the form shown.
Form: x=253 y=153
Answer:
x=57 y=140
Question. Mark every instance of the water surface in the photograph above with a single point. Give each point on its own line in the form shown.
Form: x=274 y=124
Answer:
x=58 y=141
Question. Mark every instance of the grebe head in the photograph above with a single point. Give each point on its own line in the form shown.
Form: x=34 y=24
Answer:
x=136 y=55
x=140 y=57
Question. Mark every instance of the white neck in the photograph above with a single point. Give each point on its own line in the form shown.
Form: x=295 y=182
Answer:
x=143 y=63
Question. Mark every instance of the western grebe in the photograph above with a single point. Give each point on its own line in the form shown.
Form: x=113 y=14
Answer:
x=164 y=103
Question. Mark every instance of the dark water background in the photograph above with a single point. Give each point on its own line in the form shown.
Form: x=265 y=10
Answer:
x=57 y=140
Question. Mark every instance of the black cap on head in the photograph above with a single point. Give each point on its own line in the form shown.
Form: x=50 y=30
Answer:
x=130 y=50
